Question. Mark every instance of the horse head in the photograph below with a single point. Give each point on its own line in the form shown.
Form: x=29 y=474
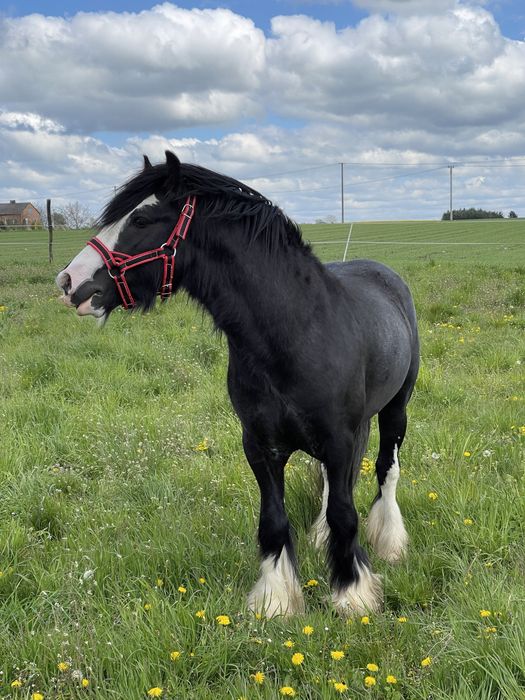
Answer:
x=136 y=221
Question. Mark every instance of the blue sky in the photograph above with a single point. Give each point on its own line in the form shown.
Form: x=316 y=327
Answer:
x=342 y=13
x=510 y=14
x=387 y=86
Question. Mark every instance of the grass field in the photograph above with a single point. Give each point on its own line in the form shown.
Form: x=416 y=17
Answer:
x=128 y=513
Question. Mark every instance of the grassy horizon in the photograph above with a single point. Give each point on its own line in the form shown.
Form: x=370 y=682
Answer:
x=127 y=505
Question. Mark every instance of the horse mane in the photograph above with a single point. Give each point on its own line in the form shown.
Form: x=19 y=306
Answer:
x=220 y=196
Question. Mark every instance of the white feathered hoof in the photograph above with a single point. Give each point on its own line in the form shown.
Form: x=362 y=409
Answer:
x=361 y=597
x=277 y=592
x=386 y=531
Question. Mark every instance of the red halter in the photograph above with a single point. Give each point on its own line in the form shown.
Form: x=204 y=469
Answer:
x=118 y=263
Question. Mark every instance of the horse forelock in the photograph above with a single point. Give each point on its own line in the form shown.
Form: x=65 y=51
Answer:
x=219 y=196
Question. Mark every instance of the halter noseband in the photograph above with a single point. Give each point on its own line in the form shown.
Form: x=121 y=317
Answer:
x=118 y=263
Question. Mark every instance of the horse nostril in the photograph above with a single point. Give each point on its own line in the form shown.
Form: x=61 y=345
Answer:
x=64 y=282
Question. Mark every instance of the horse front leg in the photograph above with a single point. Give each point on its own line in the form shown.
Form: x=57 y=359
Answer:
x=277 y=591
x=355 y=588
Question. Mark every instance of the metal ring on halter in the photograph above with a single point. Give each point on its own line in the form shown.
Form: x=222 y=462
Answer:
x=168 y=245
x=109 y=272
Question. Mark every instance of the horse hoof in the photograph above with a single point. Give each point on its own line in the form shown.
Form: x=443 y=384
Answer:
x=277 y=592
x=386 y=532
x=365 y=595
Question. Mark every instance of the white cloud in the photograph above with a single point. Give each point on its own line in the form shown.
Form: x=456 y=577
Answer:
x=410 y=87
x=430 y=73
x=29 y=120
x=157 y=69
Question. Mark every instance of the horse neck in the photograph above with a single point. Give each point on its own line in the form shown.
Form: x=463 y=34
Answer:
x=261 y=300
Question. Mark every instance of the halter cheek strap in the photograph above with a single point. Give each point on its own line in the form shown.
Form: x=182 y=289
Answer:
x=118 y=263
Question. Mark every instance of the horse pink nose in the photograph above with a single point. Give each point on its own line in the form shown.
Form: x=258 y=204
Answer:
x=63 y=281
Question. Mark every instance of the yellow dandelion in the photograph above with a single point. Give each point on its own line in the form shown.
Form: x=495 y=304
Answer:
x=147 y=606
x=37 y=696
x=391 y=680
x=467 y=454
x=308 y=630
x=84 y=683
x=160 y=583
x=370 y=681
x=174 y=655
x=366 y=465
x=468 y=521
x=485 y=613
x=63 y=666
x=365 y=620
x=181 y=589
x=202 y=446
x=337 y=655
x=17 y=683
x=340 y=687
x=200 y=614
x=288 y=644
x=223 y=620
x=490 y=630
x=155 y=692
x=402 y=619
x=258 y=677
x=3 y=308
x=297 y=658
x=432 y=496
x=312 y=583
x=373 y=668
x=288 y=691
x=426 y=661
x=202 y=580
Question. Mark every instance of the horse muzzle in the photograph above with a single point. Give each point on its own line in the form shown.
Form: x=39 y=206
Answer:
x=83 y=299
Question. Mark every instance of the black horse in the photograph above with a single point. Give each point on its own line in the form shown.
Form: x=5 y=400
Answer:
x=314 y=352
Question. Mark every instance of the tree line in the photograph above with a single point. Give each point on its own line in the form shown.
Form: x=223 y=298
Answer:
x=73 y=215
x=476 y=214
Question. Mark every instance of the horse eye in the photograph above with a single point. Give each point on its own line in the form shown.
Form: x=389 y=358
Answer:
x=140 y=221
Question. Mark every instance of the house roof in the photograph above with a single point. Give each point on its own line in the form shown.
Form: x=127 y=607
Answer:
x=12 y=209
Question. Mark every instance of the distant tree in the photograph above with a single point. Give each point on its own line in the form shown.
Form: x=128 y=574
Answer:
x=327 y=220
x=472 y=214
x=513 y=215
x=75 y=215
x=59 y=219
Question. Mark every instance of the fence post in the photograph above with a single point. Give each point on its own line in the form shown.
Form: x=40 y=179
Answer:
x=50 y=229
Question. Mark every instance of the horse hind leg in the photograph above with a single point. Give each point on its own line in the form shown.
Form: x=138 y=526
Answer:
x=320 y=531
x=385 y=528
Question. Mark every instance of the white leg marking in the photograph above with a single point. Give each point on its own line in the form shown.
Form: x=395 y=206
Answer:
x=362 y=596
x=277 y=592
x=385 y=529
x=320 y=530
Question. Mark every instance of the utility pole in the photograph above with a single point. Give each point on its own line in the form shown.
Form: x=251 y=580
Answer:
x=451 y=168
x=342 y=193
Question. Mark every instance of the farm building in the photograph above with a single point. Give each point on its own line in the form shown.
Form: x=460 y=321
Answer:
x=15 y=213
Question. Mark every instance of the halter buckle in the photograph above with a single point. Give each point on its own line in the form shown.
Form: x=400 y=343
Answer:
x=186 y=210
x=113 y=269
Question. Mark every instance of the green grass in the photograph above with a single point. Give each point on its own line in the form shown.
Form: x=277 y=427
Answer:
x=105 y=496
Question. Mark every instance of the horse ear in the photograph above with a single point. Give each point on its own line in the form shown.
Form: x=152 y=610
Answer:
x=173 y=164
x=147 y=162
